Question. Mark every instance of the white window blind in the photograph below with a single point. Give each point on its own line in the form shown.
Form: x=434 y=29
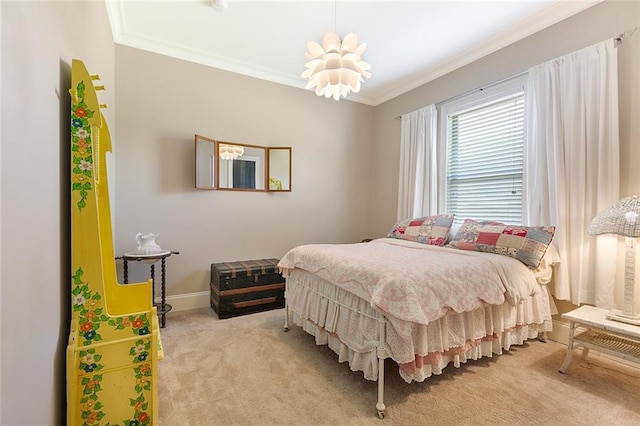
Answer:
x=484 y=158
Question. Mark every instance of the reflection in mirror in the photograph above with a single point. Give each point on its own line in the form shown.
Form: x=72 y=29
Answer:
x=237 y=166
x=279 y=169
x=241 y=167
x=205 y=163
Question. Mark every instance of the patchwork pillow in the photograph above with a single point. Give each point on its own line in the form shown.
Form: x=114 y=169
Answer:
x=528 y=244
x=431 y=230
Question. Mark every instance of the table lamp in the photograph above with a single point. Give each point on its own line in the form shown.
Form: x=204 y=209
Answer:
x=623 y=218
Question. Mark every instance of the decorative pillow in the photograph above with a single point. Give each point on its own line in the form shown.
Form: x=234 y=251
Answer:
x=431 y=230
x=528 y=244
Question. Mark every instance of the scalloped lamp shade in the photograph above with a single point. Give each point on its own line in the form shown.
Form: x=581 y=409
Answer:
x=230 y=152
x=623 y=218
x=620 y=218
x=336 y=68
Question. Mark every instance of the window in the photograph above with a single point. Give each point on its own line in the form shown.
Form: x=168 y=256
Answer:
x=482 y=142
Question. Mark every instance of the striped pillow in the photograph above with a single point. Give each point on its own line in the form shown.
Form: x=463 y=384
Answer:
x=431 y=230
x=528 y=244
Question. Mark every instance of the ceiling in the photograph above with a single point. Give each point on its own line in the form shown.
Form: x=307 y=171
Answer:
x=409 y=43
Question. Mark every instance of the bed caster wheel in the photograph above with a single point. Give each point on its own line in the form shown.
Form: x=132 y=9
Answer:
x=380 y=410
x=286 y=329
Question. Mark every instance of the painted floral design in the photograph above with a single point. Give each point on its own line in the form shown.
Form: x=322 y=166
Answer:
x=82 y=160
x=91 y=313
x=140 y=351
x=91 y=407
x=89 y=361
x=139 y=324
x=89 y=308
x=141 y=416
x=143 y=376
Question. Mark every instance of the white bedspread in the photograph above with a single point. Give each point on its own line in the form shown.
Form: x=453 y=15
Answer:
x=349 y=325
x=412 y=282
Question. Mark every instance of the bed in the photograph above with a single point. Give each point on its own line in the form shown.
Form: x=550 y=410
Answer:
x=419 y=301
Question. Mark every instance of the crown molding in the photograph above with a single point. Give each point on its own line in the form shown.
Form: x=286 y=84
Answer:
x=518 y=31
x=125 y=37
x=551 y=15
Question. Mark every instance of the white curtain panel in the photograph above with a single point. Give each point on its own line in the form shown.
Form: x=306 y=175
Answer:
x=572 y=166
x=417 y=190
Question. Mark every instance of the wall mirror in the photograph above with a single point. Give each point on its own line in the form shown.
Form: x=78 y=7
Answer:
x=279 y=169
x=241 y=167
x=206 y=160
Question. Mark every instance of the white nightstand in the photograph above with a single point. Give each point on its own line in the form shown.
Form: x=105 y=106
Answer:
x=611 y=337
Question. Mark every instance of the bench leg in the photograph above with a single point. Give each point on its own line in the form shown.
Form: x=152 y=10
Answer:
x=570 y=348
x=585 y=354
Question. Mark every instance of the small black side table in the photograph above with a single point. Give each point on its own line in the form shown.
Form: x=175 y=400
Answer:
x=151 y=259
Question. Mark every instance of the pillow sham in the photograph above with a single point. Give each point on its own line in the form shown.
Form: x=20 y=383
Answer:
x=432 y=230
x=528 y=244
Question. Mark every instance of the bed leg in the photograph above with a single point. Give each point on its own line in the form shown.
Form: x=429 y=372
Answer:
x=380 y=404
x=381 y=354
x=286 y=312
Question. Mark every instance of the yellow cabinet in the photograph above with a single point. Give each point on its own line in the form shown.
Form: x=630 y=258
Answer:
x=114 y=342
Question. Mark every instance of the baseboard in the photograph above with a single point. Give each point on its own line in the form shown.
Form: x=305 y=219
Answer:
x=560 y=334
x=185 y=302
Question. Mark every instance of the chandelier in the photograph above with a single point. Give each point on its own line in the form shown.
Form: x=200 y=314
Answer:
x=230 y=152
x=336 y=68
x=220 y=5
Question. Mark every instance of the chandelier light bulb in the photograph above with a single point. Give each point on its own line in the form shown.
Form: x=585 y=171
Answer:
x=336 y=68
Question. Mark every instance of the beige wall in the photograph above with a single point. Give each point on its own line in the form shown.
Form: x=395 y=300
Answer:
x=595 y=24
x=39 y=40
x=163 y=102
x=345 y=159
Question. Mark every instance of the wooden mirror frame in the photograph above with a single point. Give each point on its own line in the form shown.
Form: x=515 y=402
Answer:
x=206 y=158
x=279 y=168
x=213 y=172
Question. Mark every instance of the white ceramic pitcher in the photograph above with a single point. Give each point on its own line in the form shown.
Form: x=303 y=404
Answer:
x=147 y=243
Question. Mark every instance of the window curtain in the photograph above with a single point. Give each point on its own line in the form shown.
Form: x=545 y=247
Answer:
x=417 y=190
x=572 y=166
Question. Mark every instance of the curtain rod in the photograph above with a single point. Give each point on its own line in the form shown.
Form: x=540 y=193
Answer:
x=477 y=89
x=617 y=41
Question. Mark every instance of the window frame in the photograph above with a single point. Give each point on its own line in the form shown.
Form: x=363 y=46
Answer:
x=466 y=102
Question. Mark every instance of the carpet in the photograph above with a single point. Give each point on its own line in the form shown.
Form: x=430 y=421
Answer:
x=247 y=371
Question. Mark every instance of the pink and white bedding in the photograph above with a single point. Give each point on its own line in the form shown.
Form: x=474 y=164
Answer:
x=441 y=304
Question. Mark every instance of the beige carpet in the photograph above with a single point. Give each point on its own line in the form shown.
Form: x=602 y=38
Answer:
x=247 y=371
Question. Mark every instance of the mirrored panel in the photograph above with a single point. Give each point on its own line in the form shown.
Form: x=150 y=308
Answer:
x=242 y=167
x=279 y=169
x=206 y=161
